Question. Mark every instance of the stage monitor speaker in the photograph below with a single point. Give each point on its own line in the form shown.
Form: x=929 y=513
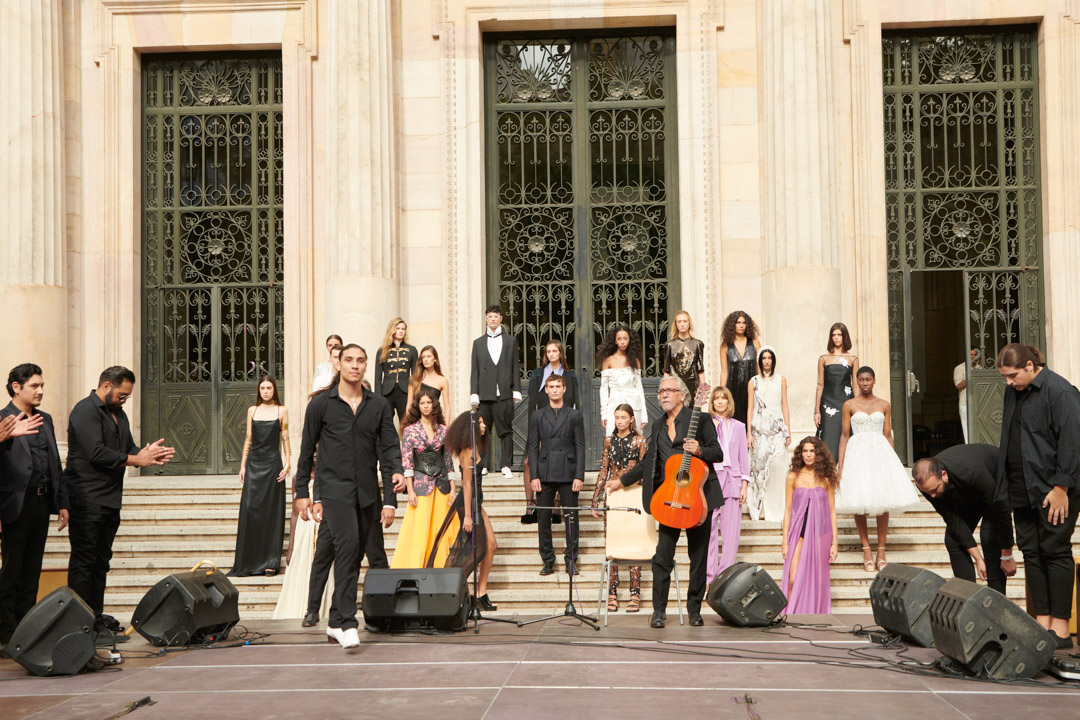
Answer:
x=900 y=596
x=987 y=633
x=56 y=637
x=416 y=599
x=745 y=595
x=188 y=608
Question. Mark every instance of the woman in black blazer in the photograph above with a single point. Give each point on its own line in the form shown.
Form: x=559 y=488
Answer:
x=537 y=398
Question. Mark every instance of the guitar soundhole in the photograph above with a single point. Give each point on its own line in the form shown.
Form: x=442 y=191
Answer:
x=682 y=479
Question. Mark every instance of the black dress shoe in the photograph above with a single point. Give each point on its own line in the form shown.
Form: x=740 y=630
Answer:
x=657 y=620
x=548 y=569
x=695 y=620
x=486 y=604
x=1061 y=643
x=529 y=518
x=310 y=620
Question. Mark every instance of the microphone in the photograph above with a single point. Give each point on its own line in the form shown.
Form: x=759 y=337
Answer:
x=475 y=405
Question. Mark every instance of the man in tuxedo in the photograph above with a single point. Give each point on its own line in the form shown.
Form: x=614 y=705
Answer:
x=32 y=488
x=495 y=384
x=557 y=457
x=354 y=431
x=960 y=483
x=666 y=439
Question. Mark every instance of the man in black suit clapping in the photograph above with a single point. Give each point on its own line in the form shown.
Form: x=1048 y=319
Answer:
x=495 y=385
x=557 y=459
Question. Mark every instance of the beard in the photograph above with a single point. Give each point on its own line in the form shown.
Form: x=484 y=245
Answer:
x=111 y=402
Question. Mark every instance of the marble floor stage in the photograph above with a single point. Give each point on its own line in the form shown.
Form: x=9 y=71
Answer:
x=547 y=670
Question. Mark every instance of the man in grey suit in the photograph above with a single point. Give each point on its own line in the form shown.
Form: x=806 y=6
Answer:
x=32 y=487
x=495 y=385
x=557 y=461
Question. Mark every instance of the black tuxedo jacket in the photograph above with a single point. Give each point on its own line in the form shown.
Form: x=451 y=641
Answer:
x=557 y=446
x=16 y=469
x=650 y=471
x=972 y=471
x=486 y=375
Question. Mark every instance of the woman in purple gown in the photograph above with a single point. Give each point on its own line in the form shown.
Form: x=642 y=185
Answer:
x=809 y=534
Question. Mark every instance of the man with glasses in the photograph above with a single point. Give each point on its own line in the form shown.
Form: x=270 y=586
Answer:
x=100 y=449
x=668 y=437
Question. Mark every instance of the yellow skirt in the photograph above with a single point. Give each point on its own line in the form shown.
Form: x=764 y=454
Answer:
x=418 y=531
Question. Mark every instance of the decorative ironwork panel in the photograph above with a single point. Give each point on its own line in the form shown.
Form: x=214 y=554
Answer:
x=581 y=203
x=962 y=190
x=213 y=240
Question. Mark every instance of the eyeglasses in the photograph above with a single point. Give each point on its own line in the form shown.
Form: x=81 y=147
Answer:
x=667 y=391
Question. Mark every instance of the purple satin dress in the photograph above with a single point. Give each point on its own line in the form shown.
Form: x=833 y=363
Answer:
x=810 y=518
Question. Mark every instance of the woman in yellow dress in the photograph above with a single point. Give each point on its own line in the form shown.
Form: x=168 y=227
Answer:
x=430 y=480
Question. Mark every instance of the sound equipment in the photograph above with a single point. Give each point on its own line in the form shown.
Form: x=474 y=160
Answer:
x=679 y=502
x=188 y=608
x=56 y=637
x=416 y=599
x=987 y=633
x=1064 y=667
x=746 y=596
x=900 y=596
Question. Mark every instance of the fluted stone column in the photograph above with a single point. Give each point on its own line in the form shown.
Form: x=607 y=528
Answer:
x=361 y=246
x=802 y=279
x=32 y=248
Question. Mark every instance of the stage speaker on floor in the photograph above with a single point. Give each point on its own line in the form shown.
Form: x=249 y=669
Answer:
x=416 y=599
x=987 y=633
x=746 y=596
x=56 y=637
x=900 y=597
x=188 y=608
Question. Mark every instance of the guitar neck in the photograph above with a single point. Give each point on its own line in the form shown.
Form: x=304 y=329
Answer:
x=691 y=431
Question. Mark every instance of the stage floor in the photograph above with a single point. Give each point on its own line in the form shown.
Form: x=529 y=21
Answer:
x=547 y=670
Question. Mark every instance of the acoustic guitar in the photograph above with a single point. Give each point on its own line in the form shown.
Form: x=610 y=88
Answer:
x=679 y=502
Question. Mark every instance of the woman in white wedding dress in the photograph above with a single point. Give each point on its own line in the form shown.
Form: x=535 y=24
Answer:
x=873 y=481
x=619 y=360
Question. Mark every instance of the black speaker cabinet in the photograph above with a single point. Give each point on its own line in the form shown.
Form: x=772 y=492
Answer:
x=416 y=599
x=56 y=637
x=986 y=632
x=900 y=596
x=746 y=596
x=188 y=609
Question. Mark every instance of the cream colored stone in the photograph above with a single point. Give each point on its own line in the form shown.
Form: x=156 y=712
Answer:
x=739 y=143
x=421 y=78
x=740 y=219
x=422 y=228
x=737 y=68
x=420 y=191
x=737 y=106
x=740 y=181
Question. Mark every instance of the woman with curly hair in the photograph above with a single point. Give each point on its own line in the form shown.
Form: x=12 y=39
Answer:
x=809 y=540
x=619 y=359
x=739 y=345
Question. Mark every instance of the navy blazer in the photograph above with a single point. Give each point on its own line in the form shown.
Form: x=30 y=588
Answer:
x=16 y=469
x=557 y=446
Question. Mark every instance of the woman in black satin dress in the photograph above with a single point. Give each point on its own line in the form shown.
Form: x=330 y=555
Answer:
x=834 y=387
x=739 y=345
x=260 y=532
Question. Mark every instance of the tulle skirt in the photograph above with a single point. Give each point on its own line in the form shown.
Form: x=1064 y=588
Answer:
x=874 y=481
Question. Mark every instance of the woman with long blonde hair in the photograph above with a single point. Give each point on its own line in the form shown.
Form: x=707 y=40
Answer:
x=684 y=355
x=394 y=365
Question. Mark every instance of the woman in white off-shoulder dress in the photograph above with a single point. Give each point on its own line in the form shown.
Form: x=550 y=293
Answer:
x=619 y=360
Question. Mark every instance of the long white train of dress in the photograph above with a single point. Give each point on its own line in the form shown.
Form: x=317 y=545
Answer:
x=292 y=603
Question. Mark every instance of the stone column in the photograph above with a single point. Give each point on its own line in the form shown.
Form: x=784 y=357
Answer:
x=32 y=294
x=802 y=278
x=361 y=257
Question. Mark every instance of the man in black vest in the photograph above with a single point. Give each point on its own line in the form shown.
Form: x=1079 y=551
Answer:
x=669 y=438
x=961 y=484
x=495 y=384
x=557 y=459
x=32 y=488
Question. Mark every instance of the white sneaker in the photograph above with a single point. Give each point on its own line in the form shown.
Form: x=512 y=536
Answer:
x=508 y=473
x=350 y=638
x=334 y=635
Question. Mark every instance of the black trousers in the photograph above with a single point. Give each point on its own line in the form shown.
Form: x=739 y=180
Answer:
x=697 y=539
x=350 y=526
x=568 y=498
x=1048 y=561
x=399 y=400
x=499 y=420
x=963 y=568
x=91 y=531
x=22 y=546
x=324 y=559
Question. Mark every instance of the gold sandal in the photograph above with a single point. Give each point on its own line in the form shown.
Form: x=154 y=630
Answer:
x=881 y=563
x=612 y=603
x=868 y=565
x=634 y=605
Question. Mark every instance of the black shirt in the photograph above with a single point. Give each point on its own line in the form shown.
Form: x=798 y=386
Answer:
x=98 y=449
x=1049 y=437
x=39 y=456
x=352 y=447
x=971 y=493
x=1014 y=460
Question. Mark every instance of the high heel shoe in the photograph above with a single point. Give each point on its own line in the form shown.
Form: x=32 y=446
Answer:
x=868 y=565
x=881 y=562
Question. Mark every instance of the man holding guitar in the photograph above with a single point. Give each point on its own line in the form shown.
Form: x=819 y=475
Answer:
x=680 y=489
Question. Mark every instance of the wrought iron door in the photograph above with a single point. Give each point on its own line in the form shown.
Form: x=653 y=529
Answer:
x=212 y=250
x=581 y=178
x=962 y=193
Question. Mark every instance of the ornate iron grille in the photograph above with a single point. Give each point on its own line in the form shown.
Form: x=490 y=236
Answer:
x=962 y=193
x=581 y=169
x=213 y=294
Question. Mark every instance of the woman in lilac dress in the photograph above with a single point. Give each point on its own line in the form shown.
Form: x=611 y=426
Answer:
x=809 y=534
x=733 y=472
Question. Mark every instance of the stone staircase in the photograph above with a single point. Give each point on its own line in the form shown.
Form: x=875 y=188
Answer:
x=172 y=523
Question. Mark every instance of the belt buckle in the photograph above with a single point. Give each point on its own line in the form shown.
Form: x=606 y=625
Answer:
x=43 y=490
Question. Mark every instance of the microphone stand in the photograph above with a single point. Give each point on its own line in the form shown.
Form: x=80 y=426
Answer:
x=475 y=614
x=570 y=610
